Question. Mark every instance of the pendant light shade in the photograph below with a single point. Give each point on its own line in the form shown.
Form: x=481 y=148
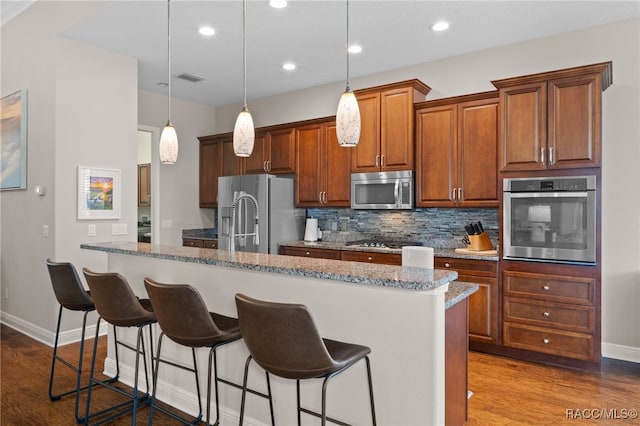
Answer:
x=168 y=144
x=348 y=115
x=243 y=132
x=168 y=138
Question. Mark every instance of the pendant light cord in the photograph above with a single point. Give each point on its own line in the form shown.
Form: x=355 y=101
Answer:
x=348 y=88
x=244 y=49
x=169 y=57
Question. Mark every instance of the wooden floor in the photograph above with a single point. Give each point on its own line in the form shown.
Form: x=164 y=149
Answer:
x=505 y=391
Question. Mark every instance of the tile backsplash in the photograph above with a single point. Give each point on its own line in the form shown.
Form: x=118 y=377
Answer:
x=435 y=227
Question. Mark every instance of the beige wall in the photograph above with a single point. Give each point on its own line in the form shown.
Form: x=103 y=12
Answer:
x=472 y=73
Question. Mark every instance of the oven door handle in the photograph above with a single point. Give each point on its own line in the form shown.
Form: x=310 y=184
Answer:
x=548 y=194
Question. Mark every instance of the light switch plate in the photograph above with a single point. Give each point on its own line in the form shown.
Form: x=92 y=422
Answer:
x=91 y=230
x=119 y=229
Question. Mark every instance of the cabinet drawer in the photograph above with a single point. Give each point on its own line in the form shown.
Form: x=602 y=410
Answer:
x=371 y=257
x=548 y=314
x=479 y=268
x=555 y=288
x=310 y=252
x=211 y=244
x=556 y=342
x=192 y=242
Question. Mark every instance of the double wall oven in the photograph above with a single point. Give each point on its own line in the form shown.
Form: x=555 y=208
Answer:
x=550 y=219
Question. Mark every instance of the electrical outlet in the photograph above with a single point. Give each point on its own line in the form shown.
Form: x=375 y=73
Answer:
x=45 y=231
x=91 y=230
x=166 y=223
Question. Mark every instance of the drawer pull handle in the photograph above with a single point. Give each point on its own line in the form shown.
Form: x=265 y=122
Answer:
x=546 y=314
x=546 y=287
x=447 y=265
x=369 y=258
x=545 y=341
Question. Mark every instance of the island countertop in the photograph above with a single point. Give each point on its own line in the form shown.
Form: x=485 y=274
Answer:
x=353 y=272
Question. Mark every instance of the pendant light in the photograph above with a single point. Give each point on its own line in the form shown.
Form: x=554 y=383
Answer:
x=348 y=115
x=243 y=131
x=168 y=138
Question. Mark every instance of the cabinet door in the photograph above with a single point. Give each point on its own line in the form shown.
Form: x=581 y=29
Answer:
x=210 y=165
x=309 y=154
x=574 y=122
x=478 y=153
x=436 y=152
x=372 y=257
x=396 y=129
x=366 y=156
x=230 y=163
x=337 y=163
x=523 y=130
x=256 y=162
x=310 y=252
x=144 y=185
x=282 y=148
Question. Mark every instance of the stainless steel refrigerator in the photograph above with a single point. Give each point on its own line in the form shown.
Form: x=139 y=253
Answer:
x=276 y=218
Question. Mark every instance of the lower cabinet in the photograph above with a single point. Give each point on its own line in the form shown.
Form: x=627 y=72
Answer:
x=456 y=353
x=483 y=304
x=310 y=252
x=199 y=242
x=371 y=257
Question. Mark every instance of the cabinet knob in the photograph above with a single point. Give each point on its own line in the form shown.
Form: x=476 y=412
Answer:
x=307 y=253
x=369 y=258
x=545 y=341
x=546 y=314
x=447 y=265
x=546 y=287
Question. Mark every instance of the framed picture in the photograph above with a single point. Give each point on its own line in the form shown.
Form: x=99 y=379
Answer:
x=13 y=141
x=98 y=193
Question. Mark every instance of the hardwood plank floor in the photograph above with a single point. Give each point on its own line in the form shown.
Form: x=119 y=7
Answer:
x=505 y=391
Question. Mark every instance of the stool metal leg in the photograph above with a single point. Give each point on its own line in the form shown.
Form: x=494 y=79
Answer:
x=244 y=388
x=373 y=408
x=273 y=422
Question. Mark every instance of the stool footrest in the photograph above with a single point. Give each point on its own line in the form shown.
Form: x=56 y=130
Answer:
x=318 y=415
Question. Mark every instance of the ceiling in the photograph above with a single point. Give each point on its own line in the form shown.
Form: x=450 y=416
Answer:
x=393 y=34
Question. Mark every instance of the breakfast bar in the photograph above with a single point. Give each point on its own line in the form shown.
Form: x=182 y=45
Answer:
x=399 y=312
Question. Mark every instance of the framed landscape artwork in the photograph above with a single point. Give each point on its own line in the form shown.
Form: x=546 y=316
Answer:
x=13 y=141
x=98 y=193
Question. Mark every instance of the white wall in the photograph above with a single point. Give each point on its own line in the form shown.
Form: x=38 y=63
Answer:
x=179 y=202
x=472 y=73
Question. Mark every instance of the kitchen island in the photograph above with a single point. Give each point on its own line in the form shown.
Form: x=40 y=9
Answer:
x=397 y=311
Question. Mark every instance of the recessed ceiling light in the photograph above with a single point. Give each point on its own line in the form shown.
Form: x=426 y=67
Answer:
x=278 y=4
x=440 y=26
x=354 y=48
x=206 y=31
x=289 y=66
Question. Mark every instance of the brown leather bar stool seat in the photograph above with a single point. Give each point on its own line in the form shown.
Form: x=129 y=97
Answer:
x=71 y=295
x=184 y=318
x=282 y=338
x=116 y=303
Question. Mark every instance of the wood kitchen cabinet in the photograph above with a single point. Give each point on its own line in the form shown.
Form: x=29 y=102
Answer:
x=216 y=159
x=372 y=257
x=484 y=304
x=323 y=175
x=456 y=151
x=144 y=185
x=310 y=252
x=200 y=242
x=552 y=313
x=552 y=120
x=273 y=152
x=386 y=132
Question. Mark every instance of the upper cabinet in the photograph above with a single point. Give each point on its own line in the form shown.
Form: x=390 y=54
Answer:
x=273 y=152
x=456 y=151
x=144 y=185
x=552 y=120
x=216 y=159
x=323 y=174
x=386 y=135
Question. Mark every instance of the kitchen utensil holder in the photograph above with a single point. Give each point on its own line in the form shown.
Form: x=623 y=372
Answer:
x=480 y=242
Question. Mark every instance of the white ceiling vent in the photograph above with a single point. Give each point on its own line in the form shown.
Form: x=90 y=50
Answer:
x=191 y=78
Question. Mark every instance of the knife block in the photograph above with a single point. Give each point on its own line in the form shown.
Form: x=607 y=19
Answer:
x=480 y=242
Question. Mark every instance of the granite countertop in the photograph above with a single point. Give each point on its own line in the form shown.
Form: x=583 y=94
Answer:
x=457 y=292
x=353 y=272
x=332 y=245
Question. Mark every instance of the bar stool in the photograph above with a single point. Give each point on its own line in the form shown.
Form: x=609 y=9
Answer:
x=71 y=295
x=184 y=318
x=283 y=340
x=116 y=303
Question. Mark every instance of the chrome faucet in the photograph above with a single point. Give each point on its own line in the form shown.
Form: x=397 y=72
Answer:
x=232 y=232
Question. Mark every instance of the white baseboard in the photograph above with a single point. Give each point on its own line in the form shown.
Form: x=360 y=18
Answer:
x=48 y=337
x=621 y=352
x=179 y=398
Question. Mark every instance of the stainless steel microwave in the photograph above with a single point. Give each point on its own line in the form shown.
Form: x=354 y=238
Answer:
x=382 y=190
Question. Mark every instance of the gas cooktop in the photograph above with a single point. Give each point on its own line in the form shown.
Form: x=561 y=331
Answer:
x=382 y=243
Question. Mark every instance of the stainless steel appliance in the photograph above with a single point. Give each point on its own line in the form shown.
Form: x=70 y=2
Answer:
x=550 y=219
x=382 y=190
x=261 y=229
